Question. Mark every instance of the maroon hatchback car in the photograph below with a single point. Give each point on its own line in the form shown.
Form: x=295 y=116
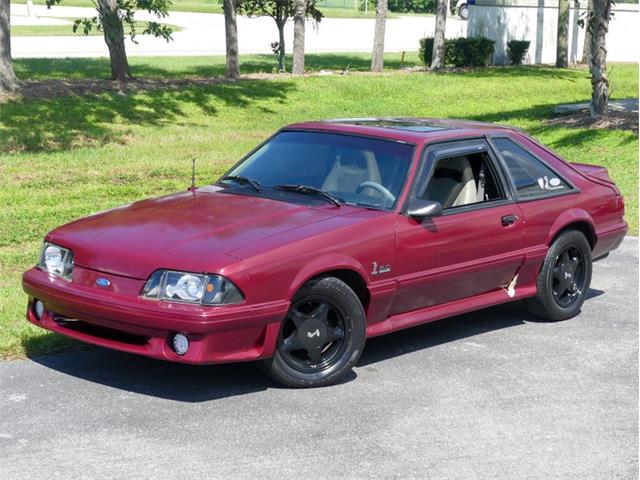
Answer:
x=327 y=234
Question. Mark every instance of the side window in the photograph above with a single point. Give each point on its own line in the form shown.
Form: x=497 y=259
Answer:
x=530 y=176
x=463 y=180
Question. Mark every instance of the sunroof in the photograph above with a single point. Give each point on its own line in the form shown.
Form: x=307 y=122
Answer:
x=409 y=124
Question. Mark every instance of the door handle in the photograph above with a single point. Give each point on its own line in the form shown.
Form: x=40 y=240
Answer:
x=509 y=220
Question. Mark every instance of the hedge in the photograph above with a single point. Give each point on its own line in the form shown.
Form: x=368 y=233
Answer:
x=460 y=52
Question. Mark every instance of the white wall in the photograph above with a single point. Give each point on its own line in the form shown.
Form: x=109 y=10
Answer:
x=537 y=20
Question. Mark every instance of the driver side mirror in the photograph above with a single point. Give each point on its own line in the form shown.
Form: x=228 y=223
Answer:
x=421 y=209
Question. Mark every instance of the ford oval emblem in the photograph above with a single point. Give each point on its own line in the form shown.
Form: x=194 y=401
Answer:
x=103 y=282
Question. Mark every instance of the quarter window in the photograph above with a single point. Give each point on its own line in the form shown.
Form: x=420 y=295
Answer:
x=530 y=176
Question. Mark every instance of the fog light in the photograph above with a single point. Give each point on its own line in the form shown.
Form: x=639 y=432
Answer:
x=38 y=309
x=180 y=344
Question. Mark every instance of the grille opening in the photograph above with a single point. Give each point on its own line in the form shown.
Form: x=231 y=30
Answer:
x=99 y=331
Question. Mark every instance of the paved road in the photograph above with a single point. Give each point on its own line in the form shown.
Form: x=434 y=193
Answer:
x=494 y=394
x=203 y=34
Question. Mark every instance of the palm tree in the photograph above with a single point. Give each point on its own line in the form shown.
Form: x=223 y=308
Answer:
x=377 y=60
x=299 y=16
x=231 y=34
x=599 y=24
x=8 y=80
x=586 y=48
x=437 y=61
x=562 y=45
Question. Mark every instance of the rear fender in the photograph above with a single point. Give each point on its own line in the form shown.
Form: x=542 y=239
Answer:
x=567 y=218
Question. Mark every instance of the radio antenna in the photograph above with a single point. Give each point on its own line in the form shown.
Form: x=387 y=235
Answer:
x=192 y=188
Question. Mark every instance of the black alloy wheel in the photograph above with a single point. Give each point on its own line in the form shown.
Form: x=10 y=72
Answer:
x=568 y=276
x=313 y=334
x=321 y=337
x=564 y=279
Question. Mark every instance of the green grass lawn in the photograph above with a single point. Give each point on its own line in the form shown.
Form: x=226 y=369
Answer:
x=214 y=6
x=64 y=158
x=58 y=30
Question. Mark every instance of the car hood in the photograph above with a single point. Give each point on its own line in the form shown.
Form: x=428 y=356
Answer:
x=191 y=231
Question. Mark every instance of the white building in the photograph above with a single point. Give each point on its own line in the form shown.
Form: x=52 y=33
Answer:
x=537 y=21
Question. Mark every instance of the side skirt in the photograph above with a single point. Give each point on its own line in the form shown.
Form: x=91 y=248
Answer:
x=437 y=312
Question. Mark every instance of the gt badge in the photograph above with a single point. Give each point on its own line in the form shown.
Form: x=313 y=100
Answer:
x=378 y=269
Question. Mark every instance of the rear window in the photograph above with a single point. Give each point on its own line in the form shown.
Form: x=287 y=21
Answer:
x=530 y=176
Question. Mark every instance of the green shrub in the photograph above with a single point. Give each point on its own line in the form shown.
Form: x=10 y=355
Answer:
x=414 y=6
x=469 y=52
x=460 y=52
x=426 y=50
x=516 y=50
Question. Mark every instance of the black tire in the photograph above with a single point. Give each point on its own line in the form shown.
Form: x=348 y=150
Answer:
x=463 y=12
x=321 y=338
x=565 y=277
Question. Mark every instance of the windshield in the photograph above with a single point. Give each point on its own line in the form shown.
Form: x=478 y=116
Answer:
x=356 y=170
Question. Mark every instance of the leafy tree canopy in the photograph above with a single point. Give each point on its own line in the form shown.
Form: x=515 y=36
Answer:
x=279 y=10
x=126 y=10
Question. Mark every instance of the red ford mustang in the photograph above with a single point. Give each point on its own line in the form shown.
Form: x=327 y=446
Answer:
x=327 y=234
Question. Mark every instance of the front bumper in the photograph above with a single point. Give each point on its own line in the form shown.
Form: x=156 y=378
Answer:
x=118 y=318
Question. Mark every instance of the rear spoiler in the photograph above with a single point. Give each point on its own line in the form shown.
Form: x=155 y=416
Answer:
x=597 y=173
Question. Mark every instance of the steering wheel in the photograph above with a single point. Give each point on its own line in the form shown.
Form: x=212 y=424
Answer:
x=379 y=188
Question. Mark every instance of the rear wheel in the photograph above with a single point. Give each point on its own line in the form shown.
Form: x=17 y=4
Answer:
x=564 y=279
x=463 y=11
x=321 y=337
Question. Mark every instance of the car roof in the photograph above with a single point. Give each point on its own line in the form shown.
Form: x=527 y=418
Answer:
x=412 y=130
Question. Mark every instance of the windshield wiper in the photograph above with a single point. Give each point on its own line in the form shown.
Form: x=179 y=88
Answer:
x=307 y=190
x=243 y=181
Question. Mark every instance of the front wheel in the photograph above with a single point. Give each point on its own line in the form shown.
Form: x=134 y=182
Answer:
x=321 y=337
x=463 y=11
x=564 y=279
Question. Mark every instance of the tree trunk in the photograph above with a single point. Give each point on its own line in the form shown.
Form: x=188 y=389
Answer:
x=598 y=58
x=114 y=38
x=562 y=45
x=586 y=49
x=8 y=80
x=300 y=9
x=437 y=61
x=377 y=60
x=281 y=51
x=231 y=33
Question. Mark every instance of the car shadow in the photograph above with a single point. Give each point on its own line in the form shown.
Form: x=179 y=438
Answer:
x=451 y=329
x=157 y=378
x=203 y=383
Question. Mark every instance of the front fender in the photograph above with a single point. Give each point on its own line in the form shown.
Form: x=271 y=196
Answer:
x=326 y=263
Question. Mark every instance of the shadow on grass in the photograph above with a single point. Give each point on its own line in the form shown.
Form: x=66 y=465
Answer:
x=172 y=67
x=191 y=383
x=65 y=122
x=529 y=71
x=566 y=137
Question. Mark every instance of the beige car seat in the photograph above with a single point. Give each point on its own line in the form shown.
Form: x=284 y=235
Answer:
x=351 y=169
x=453 y=183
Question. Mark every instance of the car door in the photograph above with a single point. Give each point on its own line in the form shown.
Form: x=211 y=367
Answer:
x=473 y=247
x=543 y=193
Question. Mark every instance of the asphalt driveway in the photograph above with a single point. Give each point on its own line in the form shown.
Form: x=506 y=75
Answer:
x=494 y=394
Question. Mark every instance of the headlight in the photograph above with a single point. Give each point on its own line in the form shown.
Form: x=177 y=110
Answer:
x=191 y=288
x=56 y=260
